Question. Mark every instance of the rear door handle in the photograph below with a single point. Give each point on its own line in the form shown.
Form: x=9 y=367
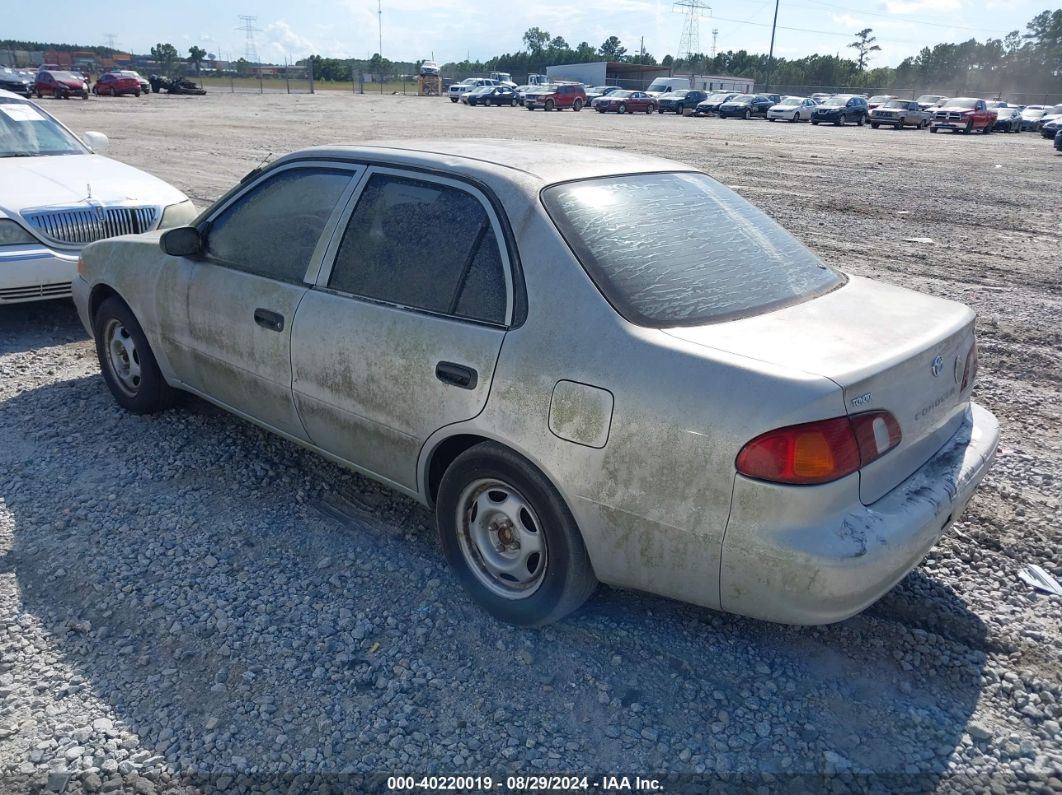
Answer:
x=274 y=321
x=456 y=374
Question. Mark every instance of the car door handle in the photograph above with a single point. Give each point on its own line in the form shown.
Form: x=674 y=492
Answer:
x=456 y=374
x=274 y=321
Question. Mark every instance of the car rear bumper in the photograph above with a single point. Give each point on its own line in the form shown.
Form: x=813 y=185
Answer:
x=783 y=563
x=34 y=273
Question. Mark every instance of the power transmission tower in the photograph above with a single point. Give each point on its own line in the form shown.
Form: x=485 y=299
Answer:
x=112 y=40
x=715 y=38
x=690 y=43
x=249 y=28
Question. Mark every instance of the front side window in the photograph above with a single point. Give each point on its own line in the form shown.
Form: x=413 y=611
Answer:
x=676 y=249
x=272 y=230
x=423 y=245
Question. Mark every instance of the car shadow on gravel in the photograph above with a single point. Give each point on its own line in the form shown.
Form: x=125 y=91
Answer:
x=193 y=575
x=38 y=324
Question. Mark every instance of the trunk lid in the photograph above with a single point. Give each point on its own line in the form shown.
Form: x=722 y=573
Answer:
x=886 y=347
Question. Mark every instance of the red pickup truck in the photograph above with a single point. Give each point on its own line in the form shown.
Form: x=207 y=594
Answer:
x=963 y=114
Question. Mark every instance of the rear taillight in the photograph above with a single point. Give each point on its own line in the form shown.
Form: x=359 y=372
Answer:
x=819 y=452
x=969 y=371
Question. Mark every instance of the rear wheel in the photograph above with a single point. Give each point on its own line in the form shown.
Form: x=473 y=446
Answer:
x=648 y=109
x=510 y=539
x=986 y=129
x=577 y=105
x=126 y=360
x=861 y=120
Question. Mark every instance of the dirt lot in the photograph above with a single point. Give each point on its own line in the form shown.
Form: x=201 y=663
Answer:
x=180 y=608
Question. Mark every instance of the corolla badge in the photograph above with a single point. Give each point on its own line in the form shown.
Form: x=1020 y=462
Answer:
x=937 y=366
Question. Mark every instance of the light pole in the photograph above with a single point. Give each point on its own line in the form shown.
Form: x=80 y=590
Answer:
x=379 y=24
x=770 y=55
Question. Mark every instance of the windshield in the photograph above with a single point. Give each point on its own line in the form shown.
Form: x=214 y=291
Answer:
x=790 y=101
x=962 y=102
x=67 y=76
x=928 y=98
x=658 y=85
x=878 y=99
x=696 y=253
x=678 y=94
x=895 y=103
x=743 y=98
x=26 y=131
x=835 y=102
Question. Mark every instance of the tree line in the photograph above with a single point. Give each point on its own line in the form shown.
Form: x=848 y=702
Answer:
x=1029 y=61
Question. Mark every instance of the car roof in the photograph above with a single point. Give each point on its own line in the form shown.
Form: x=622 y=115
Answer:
x=491 y=158
x=11 y=95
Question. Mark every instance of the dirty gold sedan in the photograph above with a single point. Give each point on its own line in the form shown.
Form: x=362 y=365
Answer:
x=691 y=404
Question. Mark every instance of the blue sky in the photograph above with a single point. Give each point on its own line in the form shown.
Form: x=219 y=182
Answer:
x=452 y=29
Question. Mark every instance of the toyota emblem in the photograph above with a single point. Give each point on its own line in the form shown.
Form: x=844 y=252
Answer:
x=937 y=366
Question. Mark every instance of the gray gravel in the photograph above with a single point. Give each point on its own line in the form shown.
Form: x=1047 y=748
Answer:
x=190 y=604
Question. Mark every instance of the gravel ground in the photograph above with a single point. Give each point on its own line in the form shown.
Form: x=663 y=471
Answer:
x=190 y=604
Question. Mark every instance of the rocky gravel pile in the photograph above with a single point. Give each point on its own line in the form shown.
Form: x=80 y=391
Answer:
x=189 y=604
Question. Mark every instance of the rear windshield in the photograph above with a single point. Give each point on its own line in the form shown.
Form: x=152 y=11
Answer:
x=677 y=249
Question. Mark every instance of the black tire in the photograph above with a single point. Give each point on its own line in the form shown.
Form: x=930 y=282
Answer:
x=861 y=120
x=648 y=110
x=550 y=105
x=840 y=121
x=577 y=105
x=986 y=130
x=748 y=114
x=566 y=579
x=814 y=123
x=933 y=129
x=115 y=325
x=969 y=128
x=622 y=108
x=874 y=125
x=452 y=99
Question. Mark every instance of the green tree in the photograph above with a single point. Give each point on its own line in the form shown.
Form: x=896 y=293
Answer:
x=166 y=55
x=612 y=49
x=667 y=60
x=196 y=55
x=865 y=45
x=243 y=67
x=536 y=40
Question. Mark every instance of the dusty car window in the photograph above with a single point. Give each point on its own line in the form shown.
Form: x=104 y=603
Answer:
x=272 y=231
x=680 y=249
x=424 y=245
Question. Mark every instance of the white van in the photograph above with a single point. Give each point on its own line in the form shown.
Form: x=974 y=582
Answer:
x=665 y=85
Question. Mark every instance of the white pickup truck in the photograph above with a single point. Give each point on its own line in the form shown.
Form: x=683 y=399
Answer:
x=455 y=91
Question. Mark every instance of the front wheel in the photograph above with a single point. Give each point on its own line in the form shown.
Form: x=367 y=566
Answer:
x=814 y=123
x=550 y=105
x=453 y=99
x=748 y=114
x=933 y=129
x=986 y=129
x=622 y=108
x=874 y=125
x=969 y=128
x=861 y=120
x=126 y=360
x=510 y=539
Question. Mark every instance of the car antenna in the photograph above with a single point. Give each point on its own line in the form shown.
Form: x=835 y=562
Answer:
x=256 y=169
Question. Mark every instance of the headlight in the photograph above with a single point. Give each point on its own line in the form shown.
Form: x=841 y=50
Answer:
x=178 y=214
x=11 y=234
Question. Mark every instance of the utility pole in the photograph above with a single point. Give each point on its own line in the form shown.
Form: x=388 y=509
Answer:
x=770 y=56
x=379 y=18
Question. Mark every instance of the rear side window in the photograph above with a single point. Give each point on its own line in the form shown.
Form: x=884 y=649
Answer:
x=424 y=245
x=678 y=249
x=272 y=230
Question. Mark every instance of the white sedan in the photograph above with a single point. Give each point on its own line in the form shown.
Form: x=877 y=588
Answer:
x=792 y=109
x=594 y=365
x=57 y=195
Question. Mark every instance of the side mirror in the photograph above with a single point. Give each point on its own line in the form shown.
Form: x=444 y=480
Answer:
x=97 y=141
x=182 y=241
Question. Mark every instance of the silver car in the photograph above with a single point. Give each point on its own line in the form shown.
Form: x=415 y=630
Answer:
x=596 y=366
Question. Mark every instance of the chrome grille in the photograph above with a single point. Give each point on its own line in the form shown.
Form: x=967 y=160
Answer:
x=82 y=225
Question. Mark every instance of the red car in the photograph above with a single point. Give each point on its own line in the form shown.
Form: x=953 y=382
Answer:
x=625 y=102
x=964 y=114
x=112 y=84
x=556 y=96
x=61 y=85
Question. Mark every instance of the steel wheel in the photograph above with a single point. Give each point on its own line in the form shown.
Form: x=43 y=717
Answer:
x=501 y=539
x=122 y=357
x=622 y=108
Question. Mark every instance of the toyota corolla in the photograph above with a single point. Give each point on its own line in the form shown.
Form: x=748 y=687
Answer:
x=693 y=404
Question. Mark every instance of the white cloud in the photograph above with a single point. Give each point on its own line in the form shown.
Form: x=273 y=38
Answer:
x=283 y=42
x=921 y=6
x=848 y=21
